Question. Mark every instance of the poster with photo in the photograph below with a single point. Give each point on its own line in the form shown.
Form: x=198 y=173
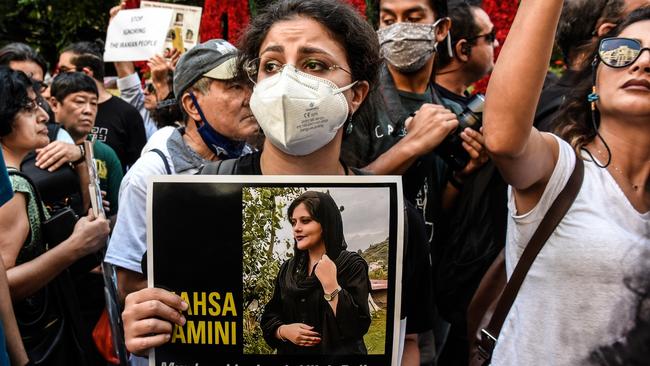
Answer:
x=278 y=273
x=186 y=20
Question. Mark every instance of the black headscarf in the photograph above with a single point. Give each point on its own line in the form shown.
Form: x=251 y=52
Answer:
x=323 y=210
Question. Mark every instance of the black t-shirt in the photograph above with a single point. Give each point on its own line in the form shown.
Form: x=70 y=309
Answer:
x=119 y=125
x=552 y=98
x=456 y=103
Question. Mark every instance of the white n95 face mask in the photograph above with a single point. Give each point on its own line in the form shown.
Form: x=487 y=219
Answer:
x=299 y=113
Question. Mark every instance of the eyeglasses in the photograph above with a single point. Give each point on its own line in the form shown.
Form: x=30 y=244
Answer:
x=271 y=67
x=32 y=105
x=620 y=52
x=489 y=37
x=41 y=86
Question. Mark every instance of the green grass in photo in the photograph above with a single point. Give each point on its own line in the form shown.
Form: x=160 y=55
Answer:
x=375 y=339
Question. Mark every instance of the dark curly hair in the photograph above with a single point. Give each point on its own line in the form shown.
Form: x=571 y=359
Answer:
x=14 y=95
x=573 y=123
x=578 y=22
x=343 y=22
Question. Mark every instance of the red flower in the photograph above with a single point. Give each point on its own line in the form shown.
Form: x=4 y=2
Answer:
x=502 y=13
x=132 y=4
x=359 y=4
x=224 y=19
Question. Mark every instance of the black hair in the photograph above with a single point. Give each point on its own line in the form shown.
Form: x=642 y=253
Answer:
x=574 y=122
x=578 y=22
x=14 y=96
x=322 y=209
x=21 y=52
x=67 y=83
x=90 y=55
x=343 y=22
x=439 y=7
x=168 y=112
x=463 y=26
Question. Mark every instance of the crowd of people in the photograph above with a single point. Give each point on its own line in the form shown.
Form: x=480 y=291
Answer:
x=394 y=99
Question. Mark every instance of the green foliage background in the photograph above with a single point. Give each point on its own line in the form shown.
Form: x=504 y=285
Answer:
x=49 y=25
x=262 y=216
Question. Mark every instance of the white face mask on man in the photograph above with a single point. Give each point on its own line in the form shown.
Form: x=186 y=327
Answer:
x=299 y=113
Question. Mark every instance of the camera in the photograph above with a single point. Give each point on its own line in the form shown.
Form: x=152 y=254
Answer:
x=451 y=149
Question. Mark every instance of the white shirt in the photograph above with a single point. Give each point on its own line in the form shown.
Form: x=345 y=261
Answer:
x=129 y=238
x=573 y=299
x=131 y=92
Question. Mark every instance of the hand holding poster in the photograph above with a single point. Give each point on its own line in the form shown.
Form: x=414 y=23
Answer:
x=137 y=34
x=239 y=251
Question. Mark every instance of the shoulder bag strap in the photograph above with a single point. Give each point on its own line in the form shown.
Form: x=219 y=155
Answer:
x=227 y=167
x=556 y=212
x=37 y=195
x=168 y=169
x=220 y=167
x=211 y=168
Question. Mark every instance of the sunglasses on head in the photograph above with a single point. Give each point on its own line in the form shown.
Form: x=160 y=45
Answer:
x=620 y=52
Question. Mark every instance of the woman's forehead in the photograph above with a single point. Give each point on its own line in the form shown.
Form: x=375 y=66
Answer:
x=639 y=30
x=301 y=35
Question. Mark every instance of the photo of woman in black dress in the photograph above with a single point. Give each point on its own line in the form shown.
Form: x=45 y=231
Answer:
x=320 y=300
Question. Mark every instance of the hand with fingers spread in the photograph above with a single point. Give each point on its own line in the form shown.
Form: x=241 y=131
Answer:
x=149 y=316
x=57 y=153
x=474 y=144
x=172 y=56
x=299 y=334
x=160 y=69
x=428 y=127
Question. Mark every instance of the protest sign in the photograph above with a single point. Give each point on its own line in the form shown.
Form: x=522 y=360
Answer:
x=183 y=33
x=136 y=34
x=227 y=246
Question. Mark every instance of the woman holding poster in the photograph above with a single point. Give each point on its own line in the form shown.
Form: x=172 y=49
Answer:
x=320 y=59
x=320 y=301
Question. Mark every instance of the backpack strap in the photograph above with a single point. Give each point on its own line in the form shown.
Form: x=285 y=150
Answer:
x=221 y=167
x=168 y=169
x=554 y=215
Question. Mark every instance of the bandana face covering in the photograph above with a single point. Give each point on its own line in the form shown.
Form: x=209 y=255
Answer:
x=408 y=46
x=299 y=113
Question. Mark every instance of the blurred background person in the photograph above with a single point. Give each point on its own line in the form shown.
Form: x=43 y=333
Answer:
x=32 y=263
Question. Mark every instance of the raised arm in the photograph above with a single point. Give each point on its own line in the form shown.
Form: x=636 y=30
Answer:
x=525 y=157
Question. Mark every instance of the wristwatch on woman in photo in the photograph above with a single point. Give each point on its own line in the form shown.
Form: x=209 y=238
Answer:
x=330 y=297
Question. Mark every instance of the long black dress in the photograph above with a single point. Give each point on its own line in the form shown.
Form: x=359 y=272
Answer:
x=298 y=298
